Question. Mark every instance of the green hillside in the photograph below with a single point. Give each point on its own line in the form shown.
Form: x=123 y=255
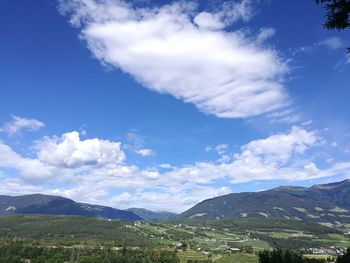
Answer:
x=69 y=229
x=328 y=203
x=57 y=205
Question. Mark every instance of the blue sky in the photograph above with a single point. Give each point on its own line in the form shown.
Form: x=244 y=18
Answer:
x=162 y=104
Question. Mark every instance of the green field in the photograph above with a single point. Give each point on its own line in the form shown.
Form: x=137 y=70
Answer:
x=219 y=258
x=193 y=240
x=238 y=258
x=190 y=254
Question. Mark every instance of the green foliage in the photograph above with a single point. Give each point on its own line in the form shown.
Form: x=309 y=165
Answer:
x=15 y=251
x=199 y=261
x=268 y=225
x=285 y=256
x=69 y=230
x=289 y=243
x=179 y=235
x=345 y=258
x=248 y=249
x=337 y=13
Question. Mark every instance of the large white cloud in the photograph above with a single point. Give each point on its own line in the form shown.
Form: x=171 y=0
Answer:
x=177 y=50
x=69 y=151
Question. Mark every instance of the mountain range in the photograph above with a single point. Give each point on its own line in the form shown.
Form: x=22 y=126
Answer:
x=319 y=203
x=149 y=215
x=326 y=203
x=56 y=205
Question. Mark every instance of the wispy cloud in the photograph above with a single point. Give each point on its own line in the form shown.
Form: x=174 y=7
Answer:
x=332 y=43
x=18 y=125
x=175 y=49
x=288 y=116
x=220 y=148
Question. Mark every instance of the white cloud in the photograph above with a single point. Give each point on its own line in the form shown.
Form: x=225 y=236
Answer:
x=150 y=174
x=18 y=124
x=15 y=186
x=30 y=168
x=165 y=166
x=96 y=170
x=332 y=43
x=173 y=49
x=69 y=151
x=145 y=152
x=273 y=158
x=265 y=33
x=334 y=144
x=209 y=21
x=230 y=12
x=220 y=148
x=178 y=201
x=280 y=147
x=286 y=116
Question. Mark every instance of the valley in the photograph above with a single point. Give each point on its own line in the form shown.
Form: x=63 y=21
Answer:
x=217 y=241
x=231 y=228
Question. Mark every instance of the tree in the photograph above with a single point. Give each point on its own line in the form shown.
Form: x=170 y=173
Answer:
x=286 y=256
x=248 y=249
x=337 y=14
x=345 y=258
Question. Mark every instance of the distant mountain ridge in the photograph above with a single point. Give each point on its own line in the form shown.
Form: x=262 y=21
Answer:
x=149 y=215
x=320 y=203
x=323 y=203
x=56 y=205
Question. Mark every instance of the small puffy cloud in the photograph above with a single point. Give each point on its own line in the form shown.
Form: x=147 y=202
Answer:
x=18 y=125
x=150 y=174
x=280 y=147
x=165 y=166
x=69 y=151
x=220 y=148
x=163 y=49
x=145 y=152
x=334 y=144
